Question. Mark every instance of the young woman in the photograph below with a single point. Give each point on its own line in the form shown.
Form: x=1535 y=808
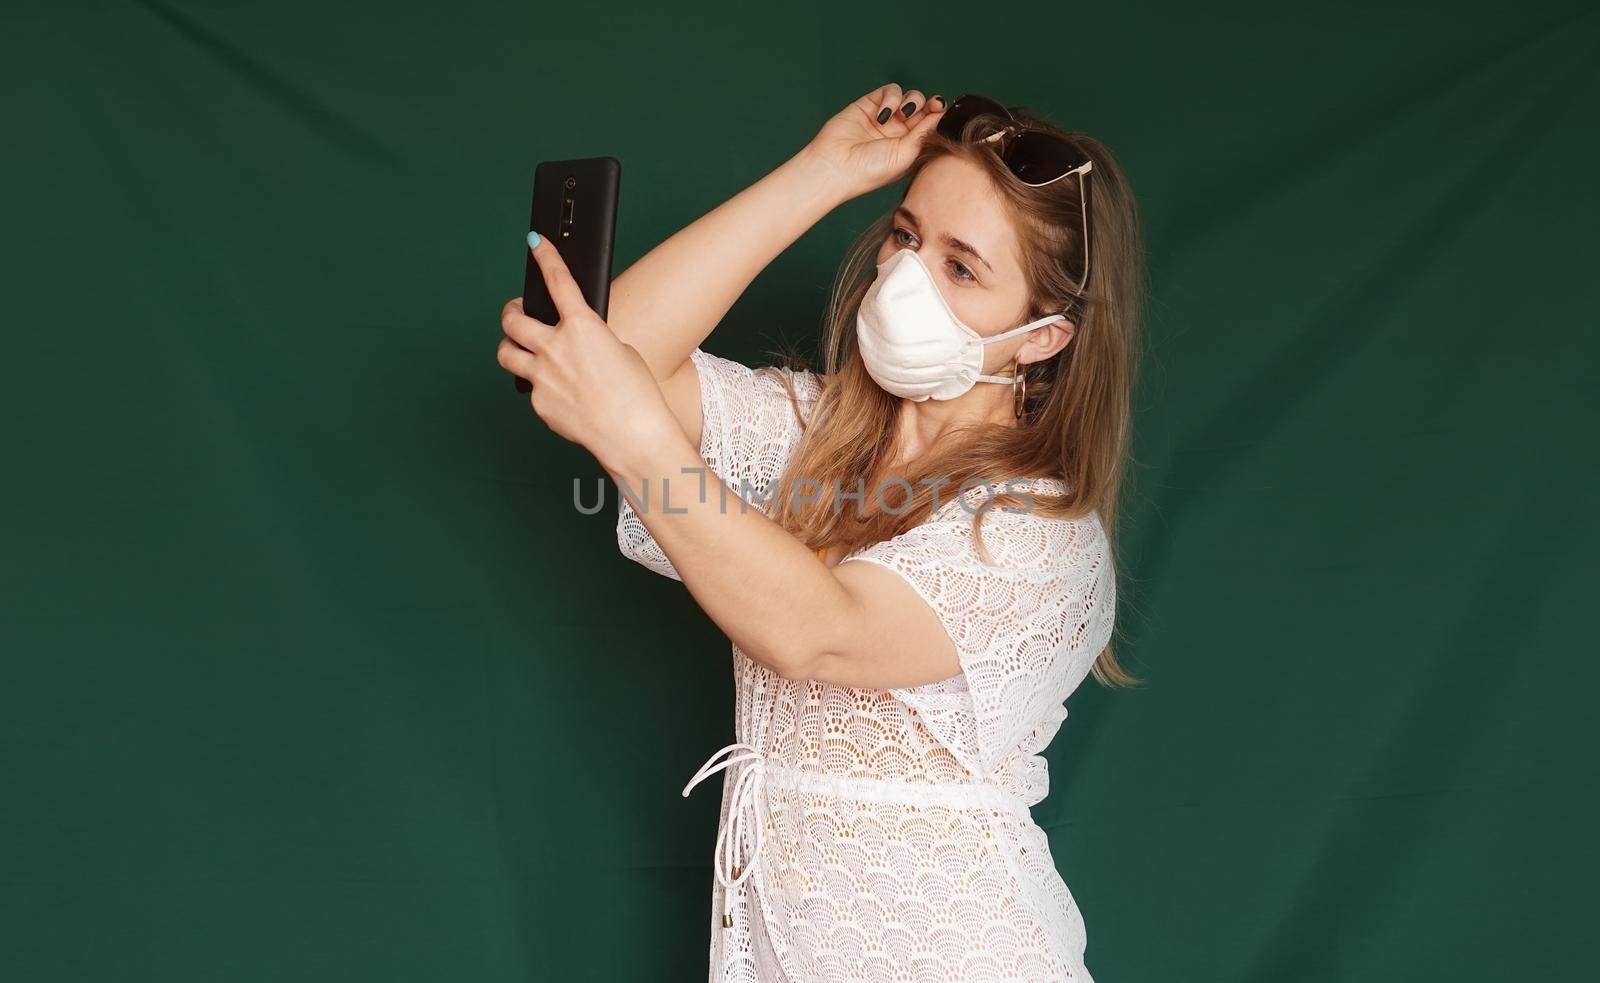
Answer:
x=910 y=550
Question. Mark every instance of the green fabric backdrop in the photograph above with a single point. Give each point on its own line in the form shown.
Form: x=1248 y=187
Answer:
x=312 y=671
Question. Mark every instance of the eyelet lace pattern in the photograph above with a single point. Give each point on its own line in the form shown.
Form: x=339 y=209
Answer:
x=885 y=835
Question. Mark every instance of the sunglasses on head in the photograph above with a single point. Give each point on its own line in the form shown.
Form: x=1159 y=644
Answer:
x=1035 y=157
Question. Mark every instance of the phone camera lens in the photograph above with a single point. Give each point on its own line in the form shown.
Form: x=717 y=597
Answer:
x=572 y=182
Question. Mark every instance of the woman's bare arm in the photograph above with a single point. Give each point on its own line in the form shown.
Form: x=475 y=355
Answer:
x=856 y=624
x=600 y=384
x=668 y=302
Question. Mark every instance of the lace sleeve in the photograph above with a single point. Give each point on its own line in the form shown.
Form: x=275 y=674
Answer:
x=749 y=433
x=1027 y=628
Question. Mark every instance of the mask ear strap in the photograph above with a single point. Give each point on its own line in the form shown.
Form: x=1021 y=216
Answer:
x=1026 y=327
x=1014 y=331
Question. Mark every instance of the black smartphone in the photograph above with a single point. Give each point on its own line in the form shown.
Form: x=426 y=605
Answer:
x=575 y=207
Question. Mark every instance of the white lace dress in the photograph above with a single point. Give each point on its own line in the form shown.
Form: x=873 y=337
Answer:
x=885 y=835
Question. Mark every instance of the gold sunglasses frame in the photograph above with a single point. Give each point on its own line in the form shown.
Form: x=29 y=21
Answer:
x=1014 y=129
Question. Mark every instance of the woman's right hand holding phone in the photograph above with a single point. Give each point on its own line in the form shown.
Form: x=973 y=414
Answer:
x=872 y=141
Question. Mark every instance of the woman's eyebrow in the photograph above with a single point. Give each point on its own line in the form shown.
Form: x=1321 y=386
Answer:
x=957 y=244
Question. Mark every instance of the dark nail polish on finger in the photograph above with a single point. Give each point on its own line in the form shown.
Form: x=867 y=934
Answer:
x=908 y=109
x=883 y=117
x=937 y=99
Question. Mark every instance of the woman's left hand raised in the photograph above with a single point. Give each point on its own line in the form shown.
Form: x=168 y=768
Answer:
x=588 y=386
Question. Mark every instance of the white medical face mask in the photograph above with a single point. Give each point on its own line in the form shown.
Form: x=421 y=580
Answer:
x=912 y=342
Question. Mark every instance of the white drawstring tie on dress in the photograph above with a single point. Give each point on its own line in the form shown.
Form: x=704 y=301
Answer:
x=747 y=789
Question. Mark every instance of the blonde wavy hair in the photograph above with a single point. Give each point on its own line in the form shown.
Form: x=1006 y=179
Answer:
x=1077 y=414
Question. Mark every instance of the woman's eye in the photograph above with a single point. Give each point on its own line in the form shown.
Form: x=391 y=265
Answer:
x=958 y=270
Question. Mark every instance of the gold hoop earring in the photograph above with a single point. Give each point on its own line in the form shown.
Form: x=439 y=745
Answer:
x=1019 y=393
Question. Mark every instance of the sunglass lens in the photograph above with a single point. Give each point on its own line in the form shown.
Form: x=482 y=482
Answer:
x=964 y=109
x=1036 y=157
